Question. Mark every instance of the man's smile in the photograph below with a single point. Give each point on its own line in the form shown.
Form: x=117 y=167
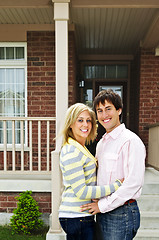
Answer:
x=106 y=120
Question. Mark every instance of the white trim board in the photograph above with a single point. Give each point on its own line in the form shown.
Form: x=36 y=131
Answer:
x=20 y=185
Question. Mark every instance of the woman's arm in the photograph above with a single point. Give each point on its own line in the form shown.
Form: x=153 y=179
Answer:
x=73 y=173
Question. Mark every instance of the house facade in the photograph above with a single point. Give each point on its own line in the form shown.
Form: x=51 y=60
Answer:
x=55 y=53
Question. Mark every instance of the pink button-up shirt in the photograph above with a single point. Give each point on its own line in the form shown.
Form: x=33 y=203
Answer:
x=120 y=154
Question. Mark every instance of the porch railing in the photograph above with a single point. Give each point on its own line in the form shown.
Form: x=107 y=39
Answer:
x=33 y=151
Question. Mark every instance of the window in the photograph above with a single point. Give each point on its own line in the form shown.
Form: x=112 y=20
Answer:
x=13 y=86
x=108 y=75
x=116 y=71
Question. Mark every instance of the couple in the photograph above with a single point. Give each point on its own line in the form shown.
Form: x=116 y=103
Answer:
x=120 y=161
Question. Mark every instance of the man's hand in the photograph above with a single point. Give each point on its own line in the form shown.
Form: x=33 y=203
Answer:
x=92 y=207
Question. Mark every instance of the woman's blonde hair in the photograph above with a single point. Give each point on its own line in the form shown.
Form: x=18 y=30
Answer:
x=71 y=115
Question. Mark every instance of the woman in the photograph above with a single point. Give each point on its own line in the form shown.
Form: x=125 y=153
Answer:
x=79 y=173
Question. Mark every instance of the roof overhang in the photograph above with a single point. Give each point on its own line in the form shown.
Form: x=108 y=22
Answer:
x=102 y=27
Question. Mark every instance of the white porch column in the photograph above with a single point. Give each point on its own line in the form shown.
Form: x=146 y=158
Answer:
x=61 y=16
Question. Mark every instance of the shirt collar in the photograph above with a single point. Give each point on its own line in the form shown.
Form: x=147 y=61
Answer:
x=84 y=150
x=115 y=133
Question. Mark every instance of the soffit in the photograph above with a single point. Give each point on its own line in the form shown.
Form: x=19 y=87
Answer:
x=26 y=15
x=101 y=26
x=111 y=30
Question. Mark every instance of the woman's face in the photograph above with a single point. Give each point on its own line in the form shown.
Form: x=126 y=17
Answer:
x=81 y=128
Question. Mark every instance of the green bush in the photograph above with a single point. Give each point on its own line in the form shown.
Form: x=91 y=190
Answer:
x=26 y=215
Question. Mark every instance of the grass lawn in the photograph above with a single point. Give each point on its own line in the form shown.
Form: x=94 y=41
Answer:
x=6 y=234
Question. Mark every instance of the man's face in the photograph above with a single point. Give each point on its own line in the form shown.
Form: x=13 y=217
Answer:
x=108 y=116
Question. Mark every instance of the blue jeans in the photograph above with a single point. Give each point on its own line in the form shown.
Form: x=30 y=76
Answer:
x=81 y=228
x=121 y=223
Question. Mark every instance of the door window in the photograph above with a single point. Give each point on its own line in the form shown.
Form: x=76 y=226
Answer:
x=117 y=89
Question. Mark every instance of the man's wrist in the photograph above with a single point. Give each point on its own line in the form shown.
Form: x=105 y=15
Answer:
x=101 y=205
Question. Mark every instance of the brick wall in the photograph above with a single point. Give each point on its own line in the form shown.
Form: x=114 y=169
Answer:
x=41 y=74
x=8 y=201
x=149 y=92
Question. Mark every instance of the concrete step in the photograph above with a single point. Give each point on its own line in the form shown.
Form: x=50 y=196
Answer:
x=149 y=207
x=151 y=183
x=151 y=175
x=147 y=234
x=151 y=188
x=148 y=203
x=149 y=220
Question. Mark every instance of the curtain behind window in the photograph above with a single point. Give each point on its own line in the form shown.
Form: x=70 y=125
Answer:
x=12 y=99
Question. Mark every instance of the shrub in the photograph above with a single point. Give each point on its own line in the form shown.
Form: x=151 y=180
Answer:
x=26 y=216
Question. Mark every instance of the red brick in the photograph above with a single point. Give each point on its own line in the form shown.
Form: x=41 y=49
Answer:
x=3 y=198
x=148 y=92
x=8 y=204
x=11 y=198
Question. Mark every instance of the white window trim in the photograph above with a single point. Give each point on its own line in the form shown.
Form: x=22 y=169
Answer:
x=16 y=62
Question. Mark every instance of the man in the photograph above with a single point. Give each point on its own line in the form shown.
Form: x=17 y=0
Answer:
x=120 y=154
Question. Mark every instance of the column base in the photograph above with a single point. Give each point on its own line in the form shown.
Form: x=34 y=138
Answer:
x=52 y=235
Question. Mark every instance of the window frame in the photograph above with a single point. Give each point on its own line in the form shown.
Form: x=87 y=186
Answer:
x=17 y=63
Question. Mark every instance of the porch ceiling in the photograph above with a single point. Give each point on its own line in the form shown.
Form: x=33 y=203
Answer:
x=101 y=26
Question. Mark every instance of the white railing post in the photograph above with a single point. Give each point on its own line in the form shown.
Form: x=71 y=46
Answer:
x=13 y=145
x=22 y=144
x=39 y=145
x=48 y=144
x=30 y=146
x=5 y=144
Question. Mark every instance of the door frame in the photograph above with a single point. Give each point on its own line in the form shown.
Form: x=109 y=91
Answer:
x=125 y=82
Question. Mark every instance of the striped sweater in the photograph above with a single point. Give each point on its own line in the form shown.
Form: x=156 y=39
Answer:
x=78 y=168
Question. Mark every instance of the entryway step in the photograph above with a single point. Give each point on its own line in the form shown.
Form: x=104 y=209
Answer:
x=148 y=203
x=149 y=220
x=147 y=234
x=151 y=188
x=151 y=175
